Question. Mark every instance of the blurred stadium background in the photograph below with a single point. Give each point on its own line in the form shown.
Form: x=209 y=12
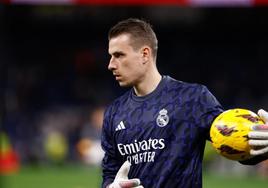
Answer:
x=55 y=84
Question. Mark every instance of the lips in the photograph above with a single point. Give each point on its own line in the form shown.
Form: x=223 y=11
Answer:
x=116 y=75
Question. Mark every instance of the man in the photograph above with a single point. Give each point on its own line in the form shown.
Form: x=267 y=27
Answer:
x=159 y=127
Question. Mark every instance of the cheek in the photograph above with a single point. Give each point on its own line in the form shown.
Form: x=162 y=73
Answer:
x=132 y=67
x=138 y=71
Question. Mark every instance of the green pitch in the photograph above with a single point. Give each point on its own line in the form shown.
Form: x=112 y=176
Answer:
x=54 y=177
x=86 y=177
x=214 y=181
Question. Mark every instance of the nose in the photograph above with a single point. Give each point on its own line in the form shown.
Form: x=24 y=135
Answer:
x=112 y=64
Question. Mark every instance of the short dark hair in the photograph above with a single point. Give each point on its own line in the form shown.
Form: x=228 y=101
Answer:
x=140 y=31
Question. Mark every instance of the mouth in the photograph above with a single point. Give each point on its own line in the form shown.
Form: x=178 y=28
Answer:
x=117 y=76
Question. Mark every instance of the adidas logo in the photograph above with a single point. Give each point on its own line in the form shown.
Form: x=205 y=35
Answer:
x=120 y=126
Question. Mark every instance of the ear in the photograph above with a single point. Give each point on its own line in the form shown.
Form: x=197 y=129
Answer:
x=146 y=53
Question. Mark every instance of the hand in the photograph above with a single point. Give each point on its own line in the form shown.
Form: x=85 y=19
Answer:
x=121 y=179
x=258 y=137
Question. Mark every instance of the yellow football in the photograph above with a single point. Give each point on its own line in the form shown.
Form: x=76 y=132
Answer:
x=229 y=133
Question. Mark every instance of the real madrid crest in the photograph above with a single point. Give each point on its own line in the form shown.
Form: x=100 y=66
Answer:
x=162 y=119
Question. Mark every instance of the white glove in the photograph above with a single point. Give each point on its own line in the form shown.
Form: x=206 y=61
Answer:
x=258 y=137
x=121 y=179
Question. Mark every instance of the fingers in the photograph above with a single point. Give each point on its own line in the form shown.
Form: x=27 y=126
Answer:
x=121 y=179
x=258 y=142
x=130 y=183
x=261 y=151
x=123 y=171
x=258 y=135
x=263 y=114
x=260 y=127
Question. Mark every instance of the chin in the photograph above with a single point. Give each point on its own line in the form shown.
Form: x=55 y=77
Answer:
x=124 y=84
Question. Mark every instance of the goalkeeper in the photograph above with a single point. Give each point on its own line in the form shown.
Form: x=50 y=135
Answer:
x=154 y=135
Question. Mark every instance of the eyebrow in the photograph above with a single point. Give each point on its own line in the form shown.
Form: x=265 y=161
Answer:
x=118 y=53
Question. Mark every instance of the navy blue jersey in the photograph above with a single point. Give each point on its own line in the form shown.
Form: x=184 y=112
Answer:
x=162 y=134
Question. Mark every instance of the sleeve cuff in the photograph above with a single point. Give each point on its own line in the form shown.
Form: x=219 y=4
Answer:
x=106 y=183
x=255 y=160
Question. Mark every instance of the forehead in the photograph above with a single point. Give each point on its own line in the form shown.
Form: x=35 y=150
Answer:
x=120 y=43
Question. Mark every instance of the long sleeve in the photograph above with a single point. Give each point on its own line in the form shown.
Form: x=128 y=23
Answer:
x=111 y=162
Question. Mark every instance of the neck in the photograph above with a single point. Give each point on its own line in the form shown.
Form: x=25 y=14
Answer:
x=148 y=83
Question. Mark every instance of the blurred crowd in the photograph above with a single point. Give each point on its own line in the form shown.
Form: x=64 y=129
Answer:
x=54 y=119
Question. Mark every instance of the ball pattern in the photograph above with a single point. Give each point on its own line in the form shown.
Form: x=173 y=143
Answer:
x=229 y=133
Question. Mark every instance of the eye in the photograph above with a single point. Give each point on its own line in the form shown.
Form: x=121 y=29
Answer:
x=118 y=54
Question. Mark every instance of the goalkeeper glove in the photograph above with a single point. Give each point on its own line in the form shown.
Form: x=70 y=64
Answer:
x=258 y=136
x=121 y=179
